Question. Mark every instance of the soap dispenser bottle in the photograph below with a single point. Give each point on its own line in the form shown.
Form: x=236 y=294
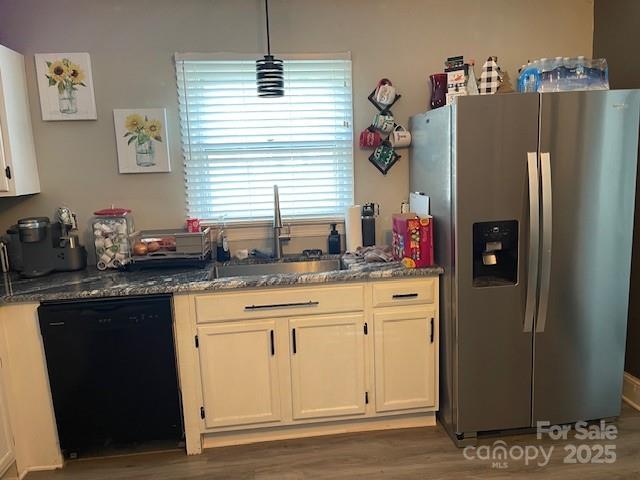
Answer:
x=222 y=246
x=334 y=240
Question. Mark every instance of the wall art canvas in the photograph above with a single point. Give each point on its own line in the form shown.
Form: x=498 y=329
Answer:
x=142 y=140
x=65 y=85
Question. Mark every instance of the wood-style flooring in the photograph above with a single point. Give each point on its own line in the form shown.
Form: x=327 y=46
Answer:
x=418 y=453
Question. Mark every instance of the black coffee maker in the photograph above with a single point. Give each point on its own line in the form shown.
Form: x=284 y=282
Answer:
x=38 y=247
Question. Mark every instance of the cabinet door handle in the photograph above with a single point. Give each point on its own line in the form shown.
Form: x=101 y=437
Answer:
x=293 y=337
x=310 y=303
x=400 y=296
x=273 y=345
x=432 y=331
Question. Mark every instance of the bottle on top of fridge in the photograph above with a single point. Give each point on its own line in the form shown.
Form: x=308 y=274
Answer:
x=565 y=77
x=529 y=79
x=597 y=74
x=547 y=81
x=582 y=81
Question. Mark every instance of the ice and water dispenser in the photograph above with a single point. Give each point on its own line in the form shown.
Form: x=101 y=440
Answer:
x=495 y=253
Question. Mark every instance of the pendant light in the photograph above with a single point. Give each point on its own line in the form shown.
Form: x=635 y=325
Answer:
x=269 y=70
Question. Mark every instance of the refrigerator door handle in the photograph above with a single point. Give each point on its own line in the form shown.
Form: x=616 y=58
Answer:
x=547 y=223
x=534 y=241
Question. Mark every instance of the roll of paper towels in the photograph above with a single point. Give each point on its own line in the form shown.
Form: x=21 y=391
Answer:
x=353 y=228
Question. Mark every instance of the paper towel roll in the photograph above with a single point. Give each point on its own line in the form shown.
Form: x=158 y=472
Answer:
x=353 y=228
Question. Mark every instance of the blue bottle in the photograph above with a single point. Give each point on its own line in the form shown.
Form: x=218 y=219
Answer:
x=529 y=79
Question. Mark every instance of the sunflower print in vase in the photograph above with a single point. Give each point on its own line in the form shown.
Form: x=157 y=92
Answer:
x=142 y=132
x=67 y=77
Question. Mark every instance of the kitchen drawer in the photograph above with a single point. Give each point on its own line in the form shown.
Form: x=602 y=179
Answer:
x=404 y=292
x=278 y=303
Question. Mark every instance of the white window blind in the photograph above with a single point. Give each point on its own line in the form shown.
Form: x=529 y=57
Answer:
x=237 y=146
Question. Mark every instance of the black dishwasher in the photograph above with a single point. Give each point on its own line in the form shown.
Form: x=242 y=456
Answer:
x=112 y=371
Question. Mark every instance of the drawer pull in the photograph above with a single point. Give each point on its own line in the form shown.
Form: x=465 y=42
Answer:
x=293 y=338
x=273 y=345
x=403 y=296
x=432 y=330
x=282 y=305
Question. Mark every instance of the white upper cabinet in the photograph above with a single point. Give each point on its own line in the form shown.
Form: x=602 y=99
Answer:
x=18 y=168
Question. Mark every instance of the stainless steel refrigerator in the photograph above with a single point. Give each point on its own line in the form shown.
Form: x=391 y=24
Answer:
x=533 y=201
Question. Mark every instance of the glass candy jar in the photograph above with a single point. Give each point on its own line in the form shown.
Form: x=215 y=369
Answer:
x=113 y=230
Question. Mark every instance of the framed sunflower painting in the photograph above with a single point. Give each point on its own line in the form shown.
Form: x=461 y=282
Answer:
x=141 y=137
x=66 y=86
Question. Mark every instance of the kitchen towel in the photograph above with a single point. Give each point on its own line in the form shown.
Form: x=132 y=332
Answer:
x=353 y=228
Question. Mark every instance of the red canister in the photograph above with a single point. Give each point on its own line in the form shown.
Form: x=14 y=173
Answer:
x=193 y=225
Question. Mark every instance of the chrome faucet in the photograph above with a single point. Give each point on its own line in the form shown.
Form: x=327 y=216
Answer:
x=278 y=236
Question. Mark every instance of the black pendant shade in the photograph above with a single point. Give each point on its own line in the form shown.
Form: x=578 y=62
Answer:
x=269 y=70
x=270 y=77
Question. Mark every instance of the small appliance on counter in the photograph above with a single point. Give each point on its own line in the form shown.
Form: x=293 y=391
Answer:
x=39 y=247
x=369 y=213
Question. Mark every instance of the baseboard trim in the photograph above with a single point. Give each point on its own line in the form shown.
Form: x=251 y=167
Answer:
x=226 y=439
x=631 y=390
x=11 y=473
x=40 y=468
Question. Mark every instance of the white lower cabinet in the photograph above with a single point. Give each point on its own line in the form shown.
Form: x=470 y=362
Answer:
x=405 y=358
x=7 y=454
x=269 y=363
x=6 y=443
x=239 y=369
x=327 y=365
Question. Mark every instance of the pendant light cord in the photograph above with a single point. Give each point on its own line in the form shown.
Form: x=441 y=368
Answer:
x=266 y=10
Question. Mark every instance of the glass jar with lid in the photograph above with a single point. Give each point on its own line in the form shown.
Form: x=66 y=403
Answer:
x=113 y=230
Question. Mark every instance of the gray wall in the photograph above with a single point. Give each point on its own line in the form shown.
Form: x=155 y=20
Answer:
x=132 y=42
x=615 y=37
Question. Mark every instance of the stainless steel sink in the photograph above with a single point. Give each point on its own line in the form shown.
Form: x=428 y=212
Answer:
x=307 y=266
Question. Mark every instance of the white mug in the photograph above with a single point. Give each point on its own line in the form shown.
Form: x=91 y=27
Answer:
x=400 y=137
x=385 y=92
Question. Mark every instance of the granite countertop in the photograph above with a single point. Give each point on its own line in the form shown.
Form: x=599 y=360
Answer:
x=91 y=283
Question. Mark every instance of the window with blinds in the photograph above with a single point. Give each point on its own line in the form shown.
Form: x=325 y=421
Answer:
x=237 y=146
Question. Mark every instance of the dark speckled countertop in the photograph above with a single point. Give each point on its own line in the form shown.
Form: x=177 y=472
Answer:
x=91 y=283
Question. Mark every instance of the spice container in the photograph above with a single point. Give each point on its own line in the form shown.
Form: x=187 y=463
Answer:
x=112 y=233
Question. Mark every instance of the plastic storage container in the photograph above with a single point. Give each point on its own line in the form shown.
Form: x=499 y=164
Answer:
x=564 y=74
x=113 y=230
